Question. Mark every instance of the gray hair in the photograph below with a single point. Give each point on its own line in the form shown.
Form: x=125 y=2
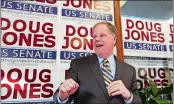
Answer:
x=111 y=27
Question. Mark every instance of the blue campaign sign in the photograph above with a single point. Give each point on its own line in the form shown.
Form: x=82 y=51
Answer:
x=145 y=46
x=68 y=55
x=86 y=15
x=28 y=7
x=27 y=53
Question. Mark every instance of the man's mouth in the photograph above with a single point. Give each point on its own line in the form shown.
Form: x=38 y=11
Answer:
x=99 y=45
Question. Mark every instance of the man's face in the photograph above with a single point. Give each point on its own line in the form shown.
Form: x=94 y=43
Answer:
x=103 y=41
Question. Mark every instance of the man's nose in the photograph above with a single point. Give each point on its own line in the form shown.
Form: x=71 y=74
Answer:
x=97 y=39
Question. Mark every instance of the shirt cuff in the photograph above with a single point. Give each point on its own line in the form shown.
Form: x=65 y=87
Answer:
x=62 y=101
x=130 y=100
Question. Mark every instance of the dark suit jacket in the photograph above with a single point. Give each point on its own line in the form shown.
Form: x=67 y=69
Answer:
x=87 y=73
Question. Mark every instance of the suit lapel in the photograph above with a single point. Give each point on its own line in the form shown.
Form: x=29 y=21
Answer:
x=119 y=70
x=95 y=68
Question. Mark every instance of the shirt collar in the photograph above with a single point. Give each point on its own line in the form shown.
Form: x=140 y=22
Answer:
x=110 y=59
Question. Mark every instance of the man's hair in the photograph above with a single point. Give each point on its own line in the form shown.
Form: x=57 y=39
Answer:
x=111 y=27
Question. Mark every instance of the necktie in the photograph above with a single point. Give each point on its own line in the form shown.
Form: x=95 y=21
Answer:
x=108 y=78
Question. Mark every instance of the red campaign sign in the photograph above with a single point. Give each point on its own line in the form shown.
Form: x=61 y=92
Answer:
x=158 y=75
x=42 y=34
x=89 y=4
x=144 y=31
x=43 y=88
x=78 y=31
x=84 y=42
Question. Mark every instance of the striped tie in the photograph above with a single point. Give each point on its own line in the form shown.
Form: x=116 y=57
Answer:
x=108 y=78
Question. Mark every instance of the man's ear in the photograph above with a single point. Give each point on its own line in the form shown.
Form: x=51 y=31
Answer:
x=114 y=37
x=115 y=40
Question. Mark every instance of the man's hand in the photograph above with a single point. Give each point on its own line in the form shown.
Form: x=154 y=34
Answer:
x=67 y=88
x=118 y=88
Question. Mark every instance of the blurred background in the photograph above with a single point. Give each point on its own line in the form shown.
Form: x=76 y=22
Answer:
x=157 y=9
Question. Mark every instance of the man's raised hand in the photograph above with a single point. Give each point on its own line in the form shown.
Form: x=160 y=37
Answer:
x=67 y=88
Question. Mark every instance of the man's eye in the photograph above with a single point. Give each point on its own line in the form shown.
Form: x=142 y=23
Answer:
x=94 y=36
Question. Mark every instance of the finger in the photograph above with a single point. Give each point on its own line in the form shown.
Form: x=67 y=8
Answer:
x=113 y=83
x=113 y=89
x=116 y=93
x=72 y=82
x=69 y=84
x=114 y=86
x=77 y=85
x=110 y=91
x=63 y=89
x=67 y=87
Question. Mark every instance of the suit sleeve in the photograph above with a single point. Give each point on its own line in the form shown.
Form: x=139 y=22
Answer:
x=72 y=73
x=136 y=97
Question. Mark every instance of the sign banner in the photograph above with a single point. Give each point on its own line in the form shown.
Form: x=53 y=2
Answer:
x=39 y=39
x=29 y=51
x=169 y=33
x=77 y=18
x=145 y=38
x=160 y=70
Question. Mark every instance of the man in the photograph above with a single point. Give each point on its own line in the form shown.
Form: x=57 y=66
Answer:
x=101 y=77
